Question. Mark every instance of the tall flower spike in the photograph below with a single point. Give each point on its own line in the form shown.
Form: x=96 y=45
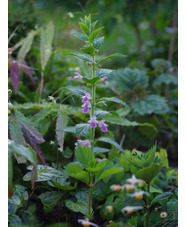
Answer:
x=103 y=126
x=83 y=143
x=78 y=76
x=93 y=122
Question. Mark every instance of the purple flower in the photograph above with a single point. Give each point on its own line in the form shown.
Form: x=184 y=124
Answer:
x=87 y=97
x=83 y=143
x=86 y=106
x=104 y=79
x=78 y=76
x=103 y=126
x=93 y=122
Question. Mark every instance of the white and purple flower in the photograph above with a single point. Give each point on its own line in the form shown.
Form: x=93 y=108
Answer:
x=104 y=79
x=103 y=126
x=78 y=76
x=86 y=105
x=83 y=143
x=93 y=122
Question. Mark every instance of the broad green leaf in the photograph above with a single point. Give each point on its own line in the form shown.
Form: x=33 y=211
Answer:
x=124 y=161
x=81 y=205
x=80 y=36
x=14 y=220
x=68 y=129
x=63 y=187
x=87 y=50
x=164 y=195
x=98 y=41
x=165 y=79
x=76 y=90
x=148 y=173
x=132 y=222
x=99 y=167
x=84 y=28
x=83 y=130
x=151 y=104
x=150 y=155
x=93 y=25
x=85 y=156
x=162 y=154
x=100 y=113
x=103 y=72
x=61 y=122
x=10 y=175
x=50 y=200
x=109 y=172
x=113 y=99
x=26 y=45
x=111 y=56
x=29 y=126
x=27 y=152
x=45 y=173
x=134 y=160
x=111 y=141
x=91 y=81
x=47 y=35
x=16 y=133
x=98 y=150
x=94 y=34
x=81 y=56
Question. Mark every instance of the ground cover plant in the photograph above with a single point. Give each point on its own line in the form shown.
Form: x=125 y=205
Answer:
x=84 y=147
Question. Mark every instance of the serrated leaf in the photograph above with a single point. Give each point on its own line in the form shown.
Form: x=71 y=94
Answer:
x=111 y=141
x=148 y=173
x=84 y=28
x=81 y=56
x=81 y=205
x=14 y=220
x=50 y=200
x=163 y=155
x=26 y=45
x=150 y=155
x=80 y=36
x=109 y=172
x=151 y=104
x=98 y=41
x=85 y=156
x=165 y=79
x=164 y=195
x=28 y=125
x=103 y=72
x=99 y=167
x=76 y=90
x=100 y=113
x=47 y=35
x=94 y=34
x=27 y=152
x=61 y=122
x=113 y=99
x=112 y=56
x=83 y=130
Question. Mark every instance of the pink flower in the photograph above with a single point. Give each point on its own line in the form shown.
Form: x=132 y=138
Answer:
x=87 y=97
x=83 y=143
x=86 y=106
x=103 y=126
x=78 y=76
x=93 y=122
x=104 y=79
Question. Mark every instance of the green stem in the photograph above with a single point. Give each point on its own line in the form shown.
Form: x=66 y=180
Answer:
x=93 y=101
x=147 y=206
x=90 y=198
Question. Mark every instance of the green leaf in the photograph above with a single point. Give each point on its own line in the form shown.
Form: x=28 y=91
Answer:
x=163 y=156
x=45 y=173
x=63 y=187
x=103 y=72
x=50 y=200
x=98 y=150
x=83 y=130
x=61 y=122
x=85 y=156
x=94 y=34
x=10 y=175
x=111 y=141
x=91 y=81
x=93 y=25
x=99 y=167
x=84 y=28
x=47 y=35
x=149 y=157
x=76 y=90
x=112 y=56
x=87 y=50
x=75 y=171
x=68 y=129
x=151 y=104
x=81 y=205
x=26 y=45
x=28 y=152
x=14 y=220
x=80 y=36
x=29 y=126
x=98 y=41
x=81 y=56
x=165 y=79
x=16 y=133
x=100 y=113
x=148 y=173
x=164 y=195
x=113 y=99
x=109 y=172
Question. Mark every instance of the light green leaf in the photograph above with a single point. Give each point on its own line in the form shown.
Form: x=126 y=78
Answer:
x=76 y=90
x=165 y=79
x=162 y=154
x=99 y=167
x=79 y=55
x=87 y=50
x=103 y=72
x=109 y=172
x=98 y=150
x=164 y=195
x=91 y=81
x=47 y=35
x=113 y=99
x=80 y=36
x=94 y=34
x=100 y=113
x=81 y=205
x=50 y=200
x=68 y=129
x=83 y=130
x=112 y=56
x=16 y=133
x=111 y=141
x=85 y=156
x=63 y=187
x=98 y=41
x=84 y=28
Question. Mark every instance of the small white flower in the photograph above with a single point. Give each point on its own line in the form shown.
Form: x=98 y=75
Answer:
x=131 y=209
x=109 y=208
x=134 y=180
x=86 y=223
x=10 y=106
x=128 y=187
x=163 y=214
x=116 y=187
x=139 y=195
x=70 y=14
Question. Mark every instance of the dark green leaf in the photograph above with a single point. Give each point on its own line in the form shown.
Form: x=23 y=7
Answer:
x=111 y=141
x=111 y=56
x=103 y=72
x=109 y=172
x=76 y=90
x=98 y=42
x=81 y=56
x=100 y=113
x=98 y=150
x=80 y=36
x=91 y=81
x=68 y=129
x=164 y=195
x=87 y=50
x=83 y=130
x=113 y=99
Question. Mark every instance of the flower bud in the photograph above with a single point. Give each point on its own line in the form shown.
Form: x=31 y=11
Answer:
x=163 y=214
x=128 y=187
x=155 y=209
x=131 y=209
x=109 y=208
x=116 y=187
